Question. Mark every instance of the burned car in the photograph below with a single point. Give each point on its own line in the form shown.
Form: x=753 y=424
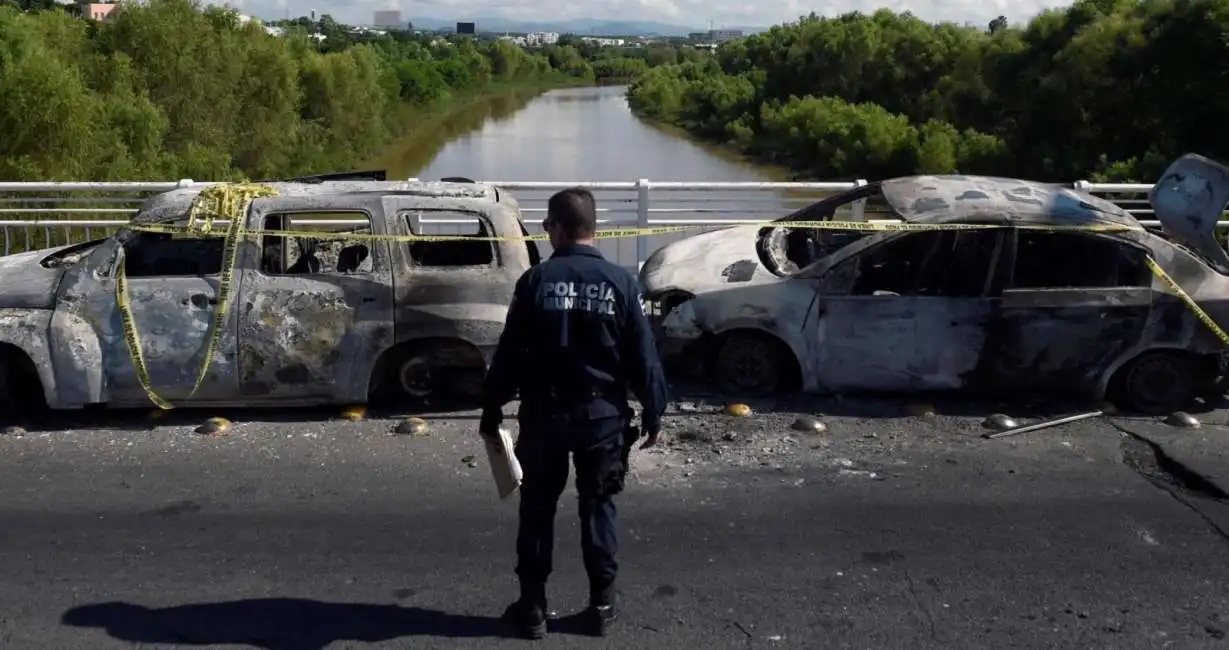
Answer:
x=1021 y=306
x=324 y=312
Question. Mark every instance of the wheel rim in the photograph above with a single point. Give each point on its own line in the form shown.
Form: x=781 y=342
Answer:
x=415 y=376
x=1158 y=381
x=748 y=365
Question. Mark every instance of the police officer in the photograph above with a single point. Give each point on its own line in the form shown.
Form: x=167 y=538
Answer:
x=576 y=340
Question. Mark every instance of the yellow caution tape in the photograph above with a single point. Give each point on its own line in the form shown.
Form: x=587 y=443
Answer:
x=1186 y=298
x=231 y=201
x=618 y=233
x=133 y=339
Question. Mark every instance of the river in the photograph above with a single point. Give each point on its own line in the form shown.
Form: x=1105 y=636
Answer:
x=583 y=134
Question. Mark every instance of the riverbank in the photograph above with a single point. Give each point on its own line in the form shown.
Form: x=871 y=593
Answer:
x=726 y=151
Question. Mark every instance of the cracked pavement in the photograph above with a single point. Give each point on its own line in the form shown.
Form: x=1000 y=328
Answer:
x=296 y=532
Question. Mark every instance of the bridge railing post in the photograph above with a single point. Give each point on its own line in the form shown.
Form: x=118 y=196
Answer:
x=642 y=221
x=859 y=206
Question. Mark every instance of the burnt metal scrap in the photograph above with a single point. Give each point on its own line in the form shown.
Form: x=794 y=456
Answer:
x=328 y=314
x=991 y=284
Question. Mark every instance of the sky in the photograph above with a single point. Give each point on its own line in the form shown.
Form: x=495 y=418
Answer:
x=692 y=13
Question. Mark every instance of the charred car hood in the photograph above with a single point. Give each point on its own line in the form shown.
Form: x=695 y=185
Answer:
x=25 y=283
x=704 y=261
x=1189 y=200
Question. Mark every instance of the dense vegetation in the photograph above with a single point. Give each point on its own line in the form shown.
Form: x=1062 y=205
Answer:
x=168 y=89
x=1106 y=89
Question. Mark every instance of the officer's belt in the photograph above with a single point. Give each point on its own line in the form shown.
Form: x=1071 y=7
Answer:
x=573 y=395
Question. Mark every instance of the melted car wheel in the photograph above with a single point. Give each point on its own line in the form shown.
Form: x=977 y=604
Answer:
x=416 y=377
x=1159 y=383
x=748 y=365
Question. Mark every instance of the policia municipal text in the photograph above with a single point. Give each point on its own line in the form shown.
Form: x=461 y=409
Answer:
x=576 y=340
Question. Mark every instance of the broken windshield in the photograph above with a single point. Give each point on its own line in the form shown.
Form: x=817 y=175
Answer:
x=785 y=251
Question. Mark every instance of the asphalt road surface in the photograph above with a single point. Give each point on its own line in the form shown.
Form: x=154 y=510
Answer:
x=884 y=531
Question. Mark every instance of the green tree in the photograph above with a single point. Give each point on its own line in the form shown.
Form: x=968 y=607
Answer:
x=1115 y=88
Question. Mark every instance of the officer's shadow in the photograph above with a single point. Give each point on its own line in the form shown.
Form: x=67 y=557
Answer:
x=277 y=623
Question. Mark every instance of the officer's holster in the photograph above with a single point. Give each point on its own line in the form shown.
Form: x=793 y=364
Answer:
x=631 y=433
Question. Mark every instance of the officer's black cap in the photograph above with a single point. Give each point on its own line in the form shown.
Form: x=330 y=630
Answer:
x=575 y=212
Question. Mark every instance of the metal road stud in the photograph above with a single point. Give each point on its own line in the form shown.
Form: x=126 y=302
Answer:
x=1183 y=420
x=737 y=410
x=354 y=413
x=214 y=426
x=411 y=427
x=1000 y=422
x=809 y=424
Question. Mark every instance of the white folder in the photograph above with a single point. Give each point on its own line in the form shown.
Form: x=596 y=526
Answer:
x=504 y=466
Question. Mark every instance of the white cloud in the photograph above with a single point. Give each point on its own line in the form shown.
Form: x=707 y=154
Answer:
x=689 y=13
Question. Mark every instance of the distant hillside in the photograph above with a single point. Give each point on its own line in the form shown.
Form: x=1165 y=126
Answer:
x=579 y=26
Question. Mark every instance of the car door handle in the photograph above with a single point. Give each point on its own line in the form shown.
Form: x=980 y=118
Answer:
x=199 y=300
x=368 y=299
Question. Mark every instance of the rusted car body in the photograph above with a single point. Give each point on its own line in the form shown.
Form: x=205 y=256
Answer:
x=1013 y=309
x=310 y=320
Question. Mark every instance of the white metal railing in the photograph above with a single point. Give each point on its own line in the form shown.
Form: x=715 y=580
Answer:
x=43 y=214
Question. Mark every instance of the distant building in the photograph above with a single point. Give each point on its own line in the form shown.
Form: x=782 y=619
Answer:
x=715 y=36
x=98 y=10
x=538 y=39
x=388 y=18
x=466 y=28
x=605 y=42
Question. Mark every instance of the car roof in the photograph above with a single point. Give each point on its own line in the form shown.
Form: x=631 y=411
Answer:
x=989 y=199
x=175 y=203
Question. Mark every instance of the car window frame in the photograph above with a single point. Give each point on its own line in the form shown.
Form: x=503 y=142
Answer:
x=1010 y=263
x=868 y=245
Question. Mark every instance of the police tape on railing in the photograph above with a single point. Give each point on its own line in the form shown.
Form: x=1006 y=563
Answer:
x=227 y=201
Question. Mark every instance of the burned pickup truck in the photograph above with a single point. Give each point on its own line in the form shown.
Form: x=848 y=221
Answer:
x=1061 y=294
x=320 y=309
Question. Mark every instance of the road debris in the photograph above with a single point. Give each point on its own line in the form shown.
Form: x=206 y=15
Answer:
x=354 y=413
x=1046 y=424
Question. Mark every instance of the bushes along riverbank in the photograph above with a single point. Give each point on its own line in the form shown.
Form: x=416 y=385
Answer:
x=1099 y=91
x=169 y=89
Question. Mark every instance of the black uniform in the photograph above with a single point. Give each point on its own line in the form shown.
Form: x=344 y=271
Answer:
x=576 y=341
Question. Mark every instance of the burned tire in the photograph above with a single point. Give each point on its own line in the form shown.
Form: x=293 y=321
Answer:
x=749 y=365
x=1158 y=383
x=434 y=373
x=21 y=390
x=416 y=377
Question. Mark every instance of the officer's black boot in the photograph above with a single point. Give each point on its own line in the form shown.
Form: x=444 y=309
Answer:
x=602 y=612
x=528 y=615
